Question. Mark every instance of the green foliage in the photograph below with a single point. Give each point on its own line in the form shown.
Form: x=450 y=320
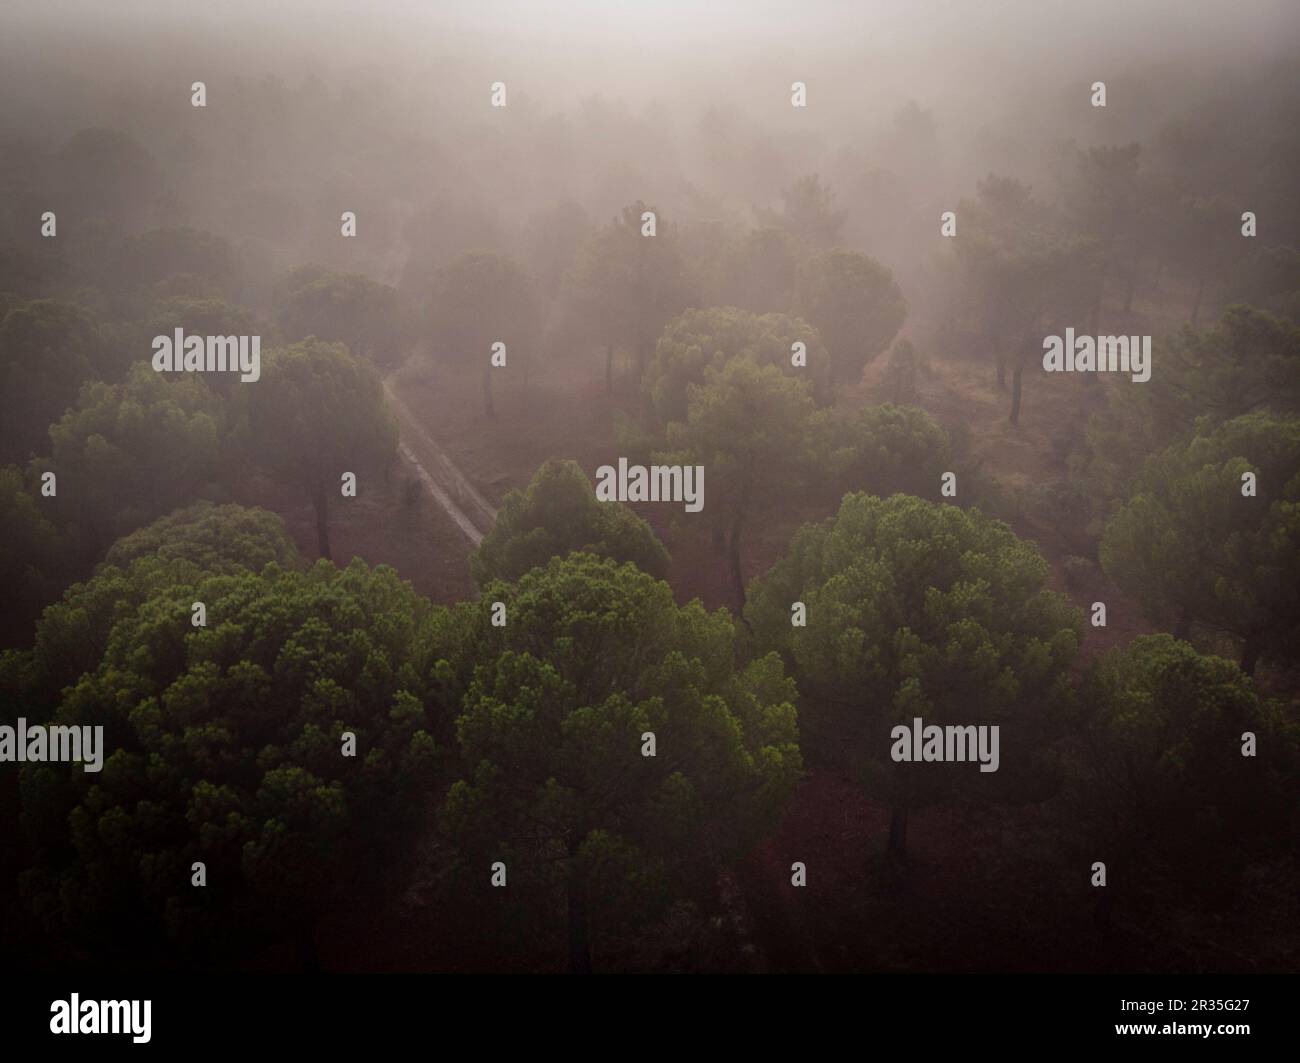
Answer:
x=181 y=548
x=698 y=341
x=1204 y=242
x=556 y=515
x=33 y=555
x=48 y=349
x=854 y=302
x=211 y=537
x=1270 y=279
x=919 y=609
x=628 y=286
x=1247 y=361
x=1103 y=197
x=197 y=316
x=347 y=308
x=199 y=769
x=479 y=298
x=131 y=451
x=1022 y=275
x=1192 y=550
x=1157 y=784
x=808 y=212
x=882 y=450
x=316 y=413
x=748 y=425
x=593 y=655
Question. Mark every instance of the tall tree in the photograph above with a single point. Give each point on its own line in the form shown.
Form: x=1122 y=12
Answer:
x=628 y=285
x=990 y=226
x=747 y=425
x=1157 y=785
x=854 y=302
x=916 y=609
x=131 y=451
x=1246 y=362
x=559 y=514
x=594 y=658
x=48 y=349
x=1198 y=553
x=882 y=450
x=1104 y=203
x=808 y=212
x=1203 y=244
x=481 y=298
x=1022 y=276
x=347 y=308
x=226 y=745
x=33 y=555
x=699 y=340
x=317 y=413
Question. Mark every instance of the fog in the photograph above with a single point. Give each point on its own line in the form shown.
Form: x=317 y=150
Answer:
x=361 y=365
x=682 y=104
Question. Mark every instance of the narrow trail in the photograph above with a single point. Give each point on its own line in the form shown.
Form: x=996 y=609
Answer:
x=473 y=514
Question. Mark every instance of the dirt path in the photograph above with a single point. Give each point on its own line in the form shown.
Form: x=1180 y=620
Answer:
x=448 y=485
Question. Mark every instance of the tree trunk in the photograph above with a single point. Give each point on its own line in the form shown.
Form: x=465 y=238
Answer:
x=609 y=369
x=579 y=926
x=898 y=829
x=1184 y=626
x=320 y=502
x=1015 y=394
x=1196 y=303
x=1002 y=373
x=488 y=408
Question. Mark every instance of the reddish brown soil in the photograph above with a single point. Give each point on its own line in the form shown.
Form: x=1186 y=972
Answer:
x=380 y=526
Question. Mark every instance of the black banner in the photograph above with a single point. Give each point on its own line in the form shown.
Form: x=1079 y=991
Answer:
x=379 y=1013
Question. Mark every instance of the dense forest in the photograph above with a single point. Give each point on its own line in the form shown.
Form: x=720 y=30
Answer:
x=398 y=665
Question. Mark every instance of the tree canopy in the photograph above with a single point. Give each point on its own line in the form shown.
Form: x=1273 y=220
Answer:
x=917 y=609
x=1238 y=555
x=317 y=413
x=558 y=514
x=131 y=451
x=196 y=769
x=1157 y=783
x=593 y=656
x=697 y=341
x=481 y=298
x=48 y=349
x=347 y=308
x=854 y=303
